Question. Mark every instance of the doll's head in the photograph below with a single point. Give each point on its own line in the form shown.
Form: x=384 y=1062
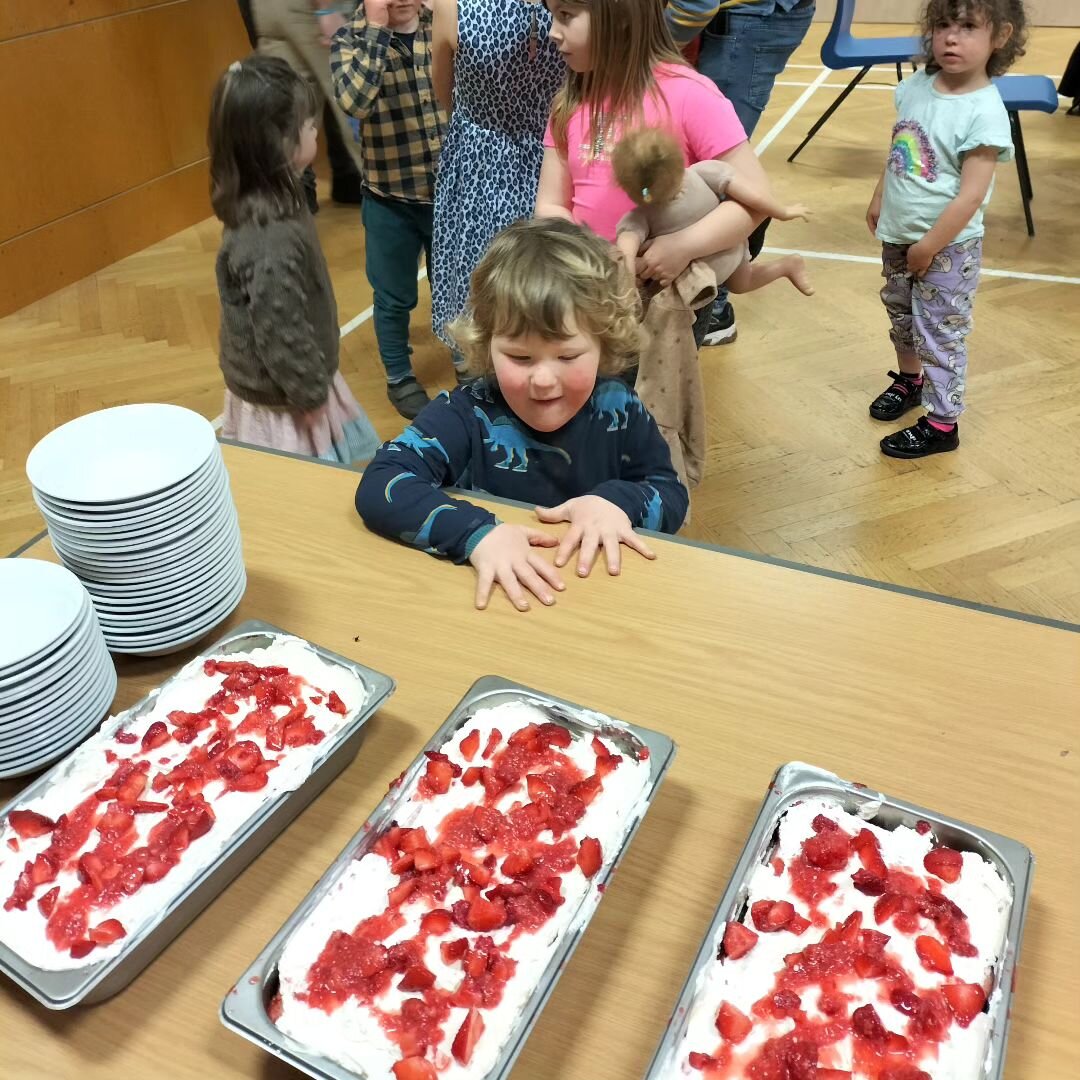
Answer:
x=648 y=166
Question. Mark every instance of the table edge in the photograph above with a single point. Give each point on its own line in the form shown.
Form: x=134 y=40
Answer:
x=752 y=556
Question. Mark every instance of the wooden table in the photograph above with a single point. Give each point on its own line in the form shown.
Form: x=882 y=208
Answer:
x=746 y=663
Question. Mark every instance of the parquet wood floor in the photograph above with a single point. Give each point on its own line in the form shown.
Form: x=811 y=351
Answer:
x=794 y=469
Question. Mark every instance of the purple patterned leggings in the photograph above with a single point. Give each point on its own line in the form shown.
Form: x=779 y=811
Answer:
x=931 y=315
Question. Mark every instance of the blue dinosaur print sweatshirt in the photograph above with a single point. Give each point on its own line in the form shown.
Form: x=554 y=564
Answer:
x=470 y=439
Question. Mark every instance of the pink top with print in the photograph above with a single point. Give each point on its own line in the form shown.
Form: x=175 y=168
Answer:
x=691 y=108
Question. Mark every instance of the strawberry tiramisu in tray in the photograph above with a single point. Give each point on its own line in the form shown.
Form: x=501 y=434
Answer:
x=428 y=949
x=861 y=938
x=105 y=858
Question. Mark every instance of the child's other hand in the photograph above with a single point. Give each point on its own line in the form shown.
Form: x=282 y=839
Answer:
x=329 y=25
x=375 y=12
x=594 y=523
x=505 y=556
x=919 y=258
x=663 y=259
x=796 y=210
x=873 y=212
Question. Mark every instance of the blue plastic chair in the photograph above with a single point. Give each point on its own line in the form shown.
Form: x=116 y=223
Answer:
x=1034 y=93
x=842 y=50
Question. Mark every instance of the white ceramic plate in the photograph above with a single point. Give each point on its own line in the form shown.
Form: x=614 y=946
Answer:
x=111 y=606
x=137 y=589
x=57 y=666
x=96 y=711
x=41 y=604
x=120 y=454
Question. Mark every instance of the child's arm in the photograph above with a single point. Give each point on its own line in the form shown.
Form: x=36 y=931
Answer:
x=400 y=494
x=724 y=181
x=873 y=211
x=444 y=31
x=358 y=58
x=554 y=196
x=976 y=173
x=649 y=495
x=725 y=227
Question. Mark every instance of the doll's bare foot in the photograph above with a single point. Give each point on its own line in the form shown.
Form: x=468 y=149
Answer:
x=796 y=210
x=794 y=269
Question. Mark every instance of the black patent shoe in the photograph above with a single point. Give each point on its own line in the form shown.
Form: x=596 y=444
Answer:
x=903 y=394
x=920 y=440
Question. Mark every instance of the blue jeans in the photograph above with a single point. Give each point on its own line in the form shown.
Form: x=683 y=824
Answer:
x=743 y=54
x=395 y=233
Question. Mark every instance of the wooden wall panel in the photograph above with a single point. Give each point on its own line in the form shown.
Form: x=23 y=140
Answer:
x=110 y=124
x=20 y=17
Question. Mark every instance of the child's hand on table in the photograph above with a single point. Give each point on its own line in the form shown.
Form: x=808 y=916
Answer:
x=505 y=556
x=594 y=523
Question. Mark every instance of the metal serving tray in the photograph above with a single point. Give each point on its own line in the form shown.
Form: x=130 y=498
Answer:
x=796 y=782
x=95 y=982
x=244 y=1009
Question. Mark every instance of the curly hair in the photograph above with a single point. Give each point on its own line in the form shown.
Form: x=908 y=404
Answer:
x=539 y=276
x=997 y=13
x=648 y=165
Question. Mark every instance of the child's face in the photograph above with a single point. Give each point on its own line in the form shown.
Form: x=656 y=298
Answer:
x=402 y=13
x=304 y=154
x=965 y=45
x=570 y=28
x=546 y=383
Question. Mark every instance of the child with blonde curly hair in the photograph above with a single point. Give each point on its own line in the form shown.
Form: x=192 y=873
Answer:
x=553 y=316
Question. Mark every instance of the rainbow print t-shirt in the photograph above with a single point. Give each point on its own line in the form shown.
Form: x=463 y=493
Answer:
x=932 y=133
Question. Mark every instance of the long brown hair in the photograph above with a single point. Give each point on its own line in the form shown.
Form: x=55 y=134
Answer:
x=259 y=106
x=628 y=39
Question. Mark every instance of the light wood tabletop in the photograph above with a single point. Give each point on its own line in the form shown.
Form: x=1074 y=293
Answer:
x=745 y=663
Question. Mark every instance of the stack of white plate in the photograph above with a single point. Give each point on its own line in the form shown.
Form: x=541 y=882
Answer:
x=138 y=505
x=57 y=679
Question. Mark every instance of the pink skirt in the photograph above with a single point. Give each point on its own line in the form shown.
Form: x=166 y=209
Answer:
x=338 y=431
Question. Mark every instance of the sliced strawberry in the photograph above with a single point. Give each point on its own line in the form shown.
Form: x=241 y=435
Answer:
x=771 y=915
x=493 y=741
x=107 y=932
x=866 y=1024
x=702 y=1061
x=43 y=870
x=82 y=948
x=966 y=1000
x=738 y=940
x=865 y=845
x=518 y=865
x=414 y=1068
x=486 y=914
x=472 y=775
x=90 y=867
x=28 y=823
x=246 y=756
x=425 y=859
x=47 y=902
x=933 y=955
x=797 y=924
x=469 y=745
x=869 y=884
x=335 y=704
x=454 y=950
x=539 y=789
x=436 y=922
x=944 y=863
x=828 y=850
x=252 y=781
x=440 y=775
x=413 y=840
x=141 y=807
x=732 y=1024
x=869 y=967
x=157 y=734
x=587 y=789
x=416 y=978
x=401 y=892
x=589 y=857
x=472 y=1027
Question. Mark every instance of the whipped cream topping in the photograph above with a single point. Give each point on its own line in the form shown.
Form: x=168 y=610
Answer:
x=93 y=763
x=352 y=1034
x=981 y=894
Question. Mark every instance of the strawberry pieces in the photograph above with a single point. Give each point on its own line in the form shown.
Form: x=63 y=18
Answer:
x=966 y=1000
x=335 y=704
x=28 y=823
x=493 y=741
x=702 y=1061
x=245 y=756
x=416 y=977
x=439 y=776
x=733 y=1024
x=933 y=955
x=738 y=940
x=869 y=884
x=157 y=734
x=414 y=1068
x=81 y=949
x=469 y=745
x=828 y=850
x=468 y=1035
x=944 y=863
x=866 y=1024
x=589 y=857
x=486 y=914
x=865 y=845
x=771 y=915
x=436 y=922
x=107 y=932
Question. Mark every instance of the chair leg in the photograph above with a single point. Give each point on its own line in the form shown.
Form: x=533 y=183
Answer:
x=829 y=111
x=1022 y=171
x=899 y=71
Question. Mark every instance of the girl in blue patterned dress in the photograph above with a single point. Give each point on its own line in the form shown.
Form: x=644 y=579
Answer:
x=495 y=67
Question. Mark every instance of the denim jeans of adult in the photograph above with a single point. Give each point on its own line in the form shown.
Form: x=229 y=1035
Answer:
x=743 y=54
x=395 y=233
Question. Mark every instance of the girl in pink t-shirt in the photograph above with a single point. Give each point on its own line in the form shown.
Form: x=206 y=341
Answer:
x=625 y=72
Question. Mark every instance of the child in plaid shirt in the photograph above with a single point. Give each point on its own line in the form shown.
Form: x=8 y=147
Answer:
x=381 y=66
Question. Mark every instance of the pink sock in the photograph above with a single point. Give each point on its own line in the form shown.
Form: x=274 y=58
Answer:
x=939 y=426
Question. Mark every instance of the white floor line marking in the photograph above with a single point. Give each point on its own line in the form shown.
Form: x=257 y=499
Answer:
x=870 y=260
x=790 y=115
x=836 y=86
